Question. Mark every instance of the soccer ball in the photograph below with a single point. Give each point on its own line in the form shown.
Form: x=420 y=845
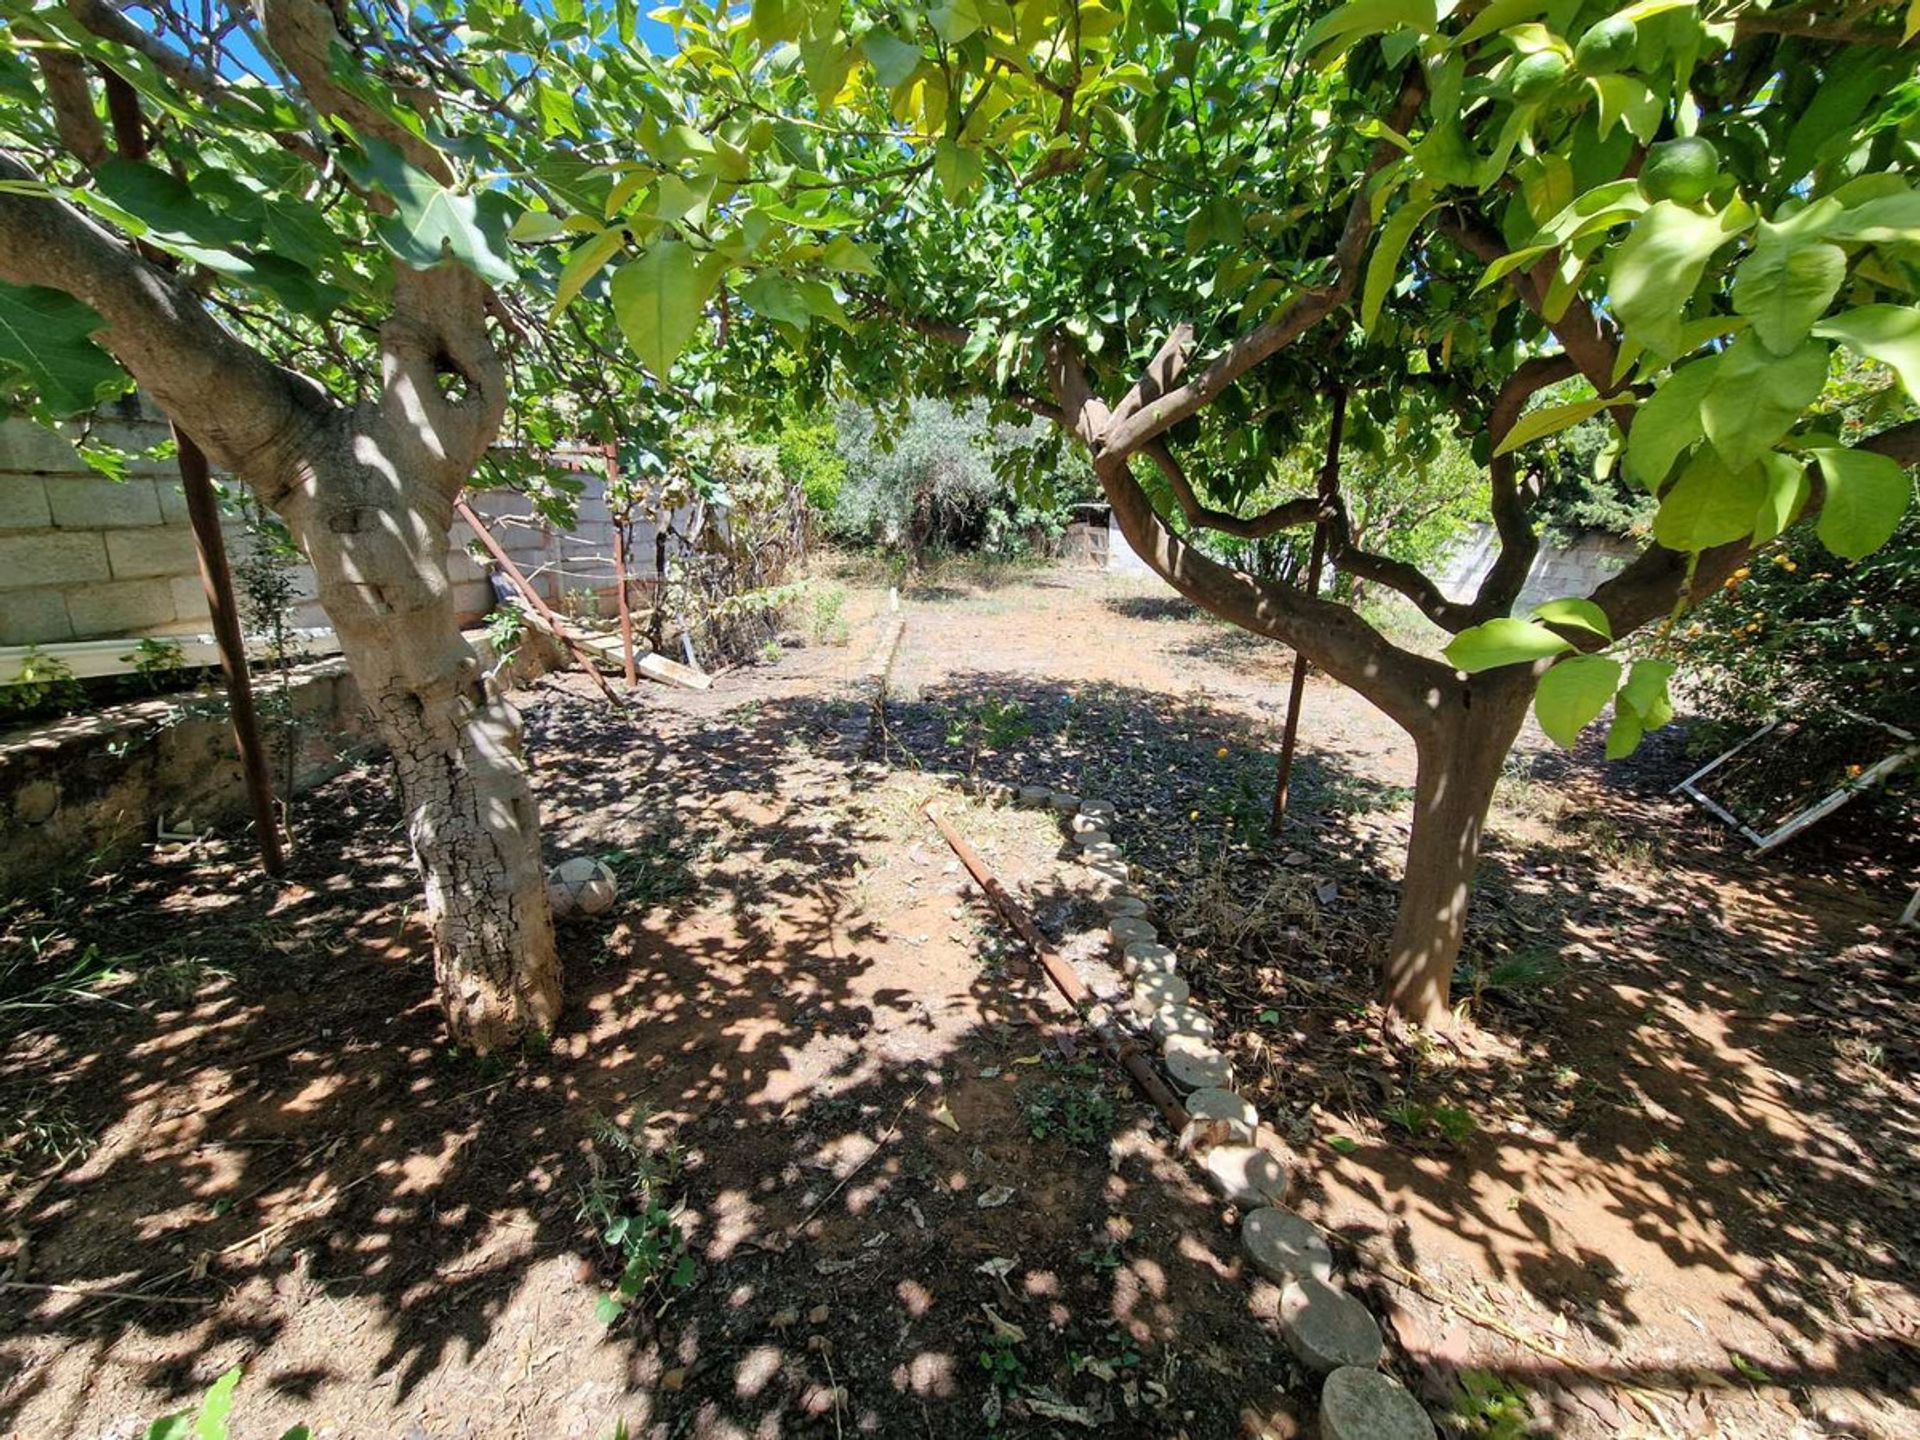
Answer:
x=580 y=887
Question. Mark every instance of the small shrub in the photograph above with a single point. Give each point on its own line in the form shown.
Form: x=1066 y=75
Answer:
x=154 y=660
x=1490 y=1408
x=628 y=1198
x=209 y=1421
x=1076 y=1108
x=43 y=685
x=826 y=624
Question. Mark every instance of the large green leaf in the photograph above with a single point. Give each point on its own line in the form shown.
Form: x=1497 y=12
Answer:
x=1709 y=504
x=1887 y=333
x=167 y=207
x=1669 y=422
x=1385 y=264
x=47 y=336
x=1577 y=614
x=658 y=301
x=893 y=59
x=1657 y=266
x=1785 y=285
x=1787 y=490
x=1757 y=396
x=1643 y=704
x=1866 y=496
x=585 y=262
x=1551 y=419
x=1573 y=693
x=1359 y=18
x=1505 y=641
x=433 y=224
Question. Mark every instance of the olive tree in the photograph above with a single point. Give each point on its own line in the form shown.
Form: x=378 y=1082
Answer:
x=1186 y=231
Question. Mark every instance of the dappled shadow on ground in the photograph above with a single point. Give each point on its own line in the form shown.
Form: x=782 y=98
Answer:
x=1670 y=1097
x=299 y=1175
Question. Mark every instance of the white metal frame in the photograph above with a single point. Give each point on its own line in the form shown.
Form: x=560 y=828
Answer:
x=1820 y=808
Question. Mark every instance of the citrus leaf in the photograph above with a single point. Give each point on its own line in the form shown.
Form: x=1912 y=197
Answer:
x=1669 y=422
x=1575 y=614
x=1657 y=266
x=1709 y=504
x=1756 y=397
x=1551 y=419
x=1505 y=641
x=1785 y=286
x=1385 y=264
x=1572 y=694
x=1887 y=333
x=1866 y=496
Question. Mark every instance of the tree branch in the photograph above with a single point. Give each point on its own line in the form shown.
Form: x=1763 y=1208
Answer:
x=1302 y=510
x=1409 y=688
x=72 y=100
x=1582 y=334
x=105 y=19
x=303 y=36
x=1507 y=576
x=438 y=328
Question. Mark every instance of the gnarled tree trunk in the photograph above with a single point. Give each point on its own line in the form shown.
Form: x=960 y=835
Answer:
x=1460 y=759
x=471 y=817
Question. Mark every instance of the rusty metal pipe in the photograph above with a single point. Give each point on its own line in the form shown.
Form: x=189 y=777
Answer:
x=1121 y=1049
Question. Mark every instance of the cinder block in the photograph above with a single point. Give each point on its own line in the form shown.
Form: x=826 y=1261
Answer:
x=27 y=448
x=471 y=600
x=32 y=558
x=190 y=602
x=121 y=607
x=23 y=503
x=462 y=567
x=93 y=502
x=31 y=617
x=164 y=550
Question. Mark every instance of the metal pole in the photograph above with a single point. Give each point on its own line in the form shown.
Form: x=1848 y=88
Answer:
x=1296 y=691
x=621 y=520
x=217 y=580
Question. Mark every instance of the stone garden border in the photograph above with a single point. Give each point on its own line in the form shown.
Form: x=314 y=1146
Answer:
x=1331 y=1332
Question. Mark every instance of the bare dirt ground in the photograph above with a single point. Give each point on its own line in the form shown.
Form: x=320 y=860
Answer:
x=1671 y=1191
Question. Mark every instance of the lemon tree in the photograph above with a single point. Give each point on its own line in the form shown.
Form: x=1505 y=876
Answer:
x=1187 y=230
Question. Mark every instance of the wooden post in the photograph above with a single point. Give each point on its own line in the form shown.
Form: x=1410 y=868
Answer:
x=622 y=518
x=520 y=583
x=1296 y=691
x=210 y=545
x=217 y=580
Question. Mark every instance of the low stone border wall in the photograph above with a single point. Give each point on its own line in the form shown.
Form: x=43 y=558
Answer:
x=1332 y=1333
x=100 y=783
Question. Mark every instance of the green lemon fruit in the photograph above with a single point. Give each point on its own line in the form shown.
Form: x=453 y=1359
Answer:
x=1537 y=76
x=1683 y=170
x=1607 y=47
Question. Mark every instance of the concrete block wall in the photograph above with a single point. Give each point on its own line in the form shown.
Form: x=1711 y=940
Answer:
x=85 y=557
x=1558 y=570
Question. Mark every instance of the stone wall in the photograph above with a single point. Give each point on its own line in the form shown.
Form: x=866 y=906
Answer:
x=85 y=557
x=95 y=785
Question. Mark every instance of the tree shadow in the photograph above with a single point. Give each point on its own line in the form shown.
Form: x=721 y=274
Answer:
x=297 y=1173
